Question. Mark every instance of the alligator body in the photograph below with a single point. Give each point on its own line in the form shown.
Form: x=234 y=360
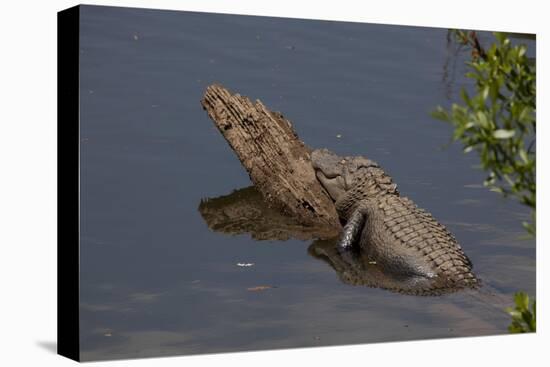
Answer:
x=388 y=229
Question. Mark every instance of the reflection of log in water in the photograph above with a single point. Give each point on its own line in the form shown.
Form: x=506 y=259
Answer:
x=245 y=211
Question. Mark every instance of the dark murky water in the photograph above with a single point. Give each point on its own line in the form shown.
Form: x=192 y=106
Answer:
x=156 y=281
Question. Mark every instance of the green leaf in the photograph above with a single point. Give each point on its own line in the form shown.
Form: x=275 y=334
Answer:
x=514 y=313
x=522 y=301
x=482 y=118
x=485 y=92
x=503 y=133
x=523 y=155
x=440 y=114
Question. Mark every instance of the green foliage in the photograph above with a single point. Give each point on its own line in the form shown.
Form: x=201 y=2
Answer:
x=523 y=319
x=499 y=121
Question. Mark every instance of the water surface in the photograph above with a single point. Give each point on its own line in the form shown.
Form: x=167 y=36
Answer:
x=155 y=280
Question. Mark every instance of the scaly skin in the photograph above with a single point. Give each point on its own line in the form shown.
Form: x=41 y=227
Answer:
x=387 y=228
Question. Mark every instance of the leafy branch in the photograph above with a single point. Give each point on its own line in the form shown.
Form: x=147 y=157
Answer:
x=524 y=319
x=499 y=122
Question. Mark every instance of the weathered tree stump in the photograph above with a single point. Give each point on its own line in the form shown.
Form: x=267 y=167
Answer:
x=277 y=161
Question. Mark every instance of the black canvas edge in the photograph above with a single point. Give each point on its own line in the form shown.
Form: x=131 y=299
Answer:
x=68 y=185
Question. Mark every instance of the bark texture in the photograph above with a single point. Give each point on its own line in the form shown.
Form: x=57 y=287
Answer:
x=277 y=161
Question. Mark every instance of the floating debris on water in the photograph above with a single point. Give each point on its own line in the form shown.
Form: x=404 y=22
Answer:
x=259 y=288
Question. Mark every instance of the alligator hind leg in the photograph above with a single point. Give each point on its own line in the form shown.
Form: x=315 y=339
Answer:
x=354 y=227
x=352 y=230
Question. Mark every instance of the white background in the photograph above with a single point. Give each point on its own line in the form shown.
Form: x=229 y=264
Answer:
x=28 y=181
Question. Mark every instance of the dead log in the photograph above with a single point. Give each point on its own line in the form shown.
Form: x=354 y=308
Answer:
x=277 y=161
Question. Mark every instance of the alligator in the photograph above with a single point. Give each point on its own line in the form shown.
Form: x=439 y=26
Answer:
x=388 y=229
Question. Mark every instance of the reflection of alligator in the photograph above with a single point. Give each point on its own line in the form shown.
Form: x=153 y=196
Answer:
x=389 y=229
x=357 y=269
